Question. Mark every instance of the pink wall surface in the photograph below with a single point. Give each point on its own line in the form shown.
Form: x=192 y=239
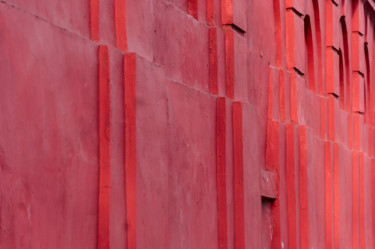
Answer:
x=187 y=124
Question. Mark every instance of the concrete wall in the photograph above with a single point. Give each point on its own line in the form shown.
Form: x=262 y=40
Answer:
x=187 y=124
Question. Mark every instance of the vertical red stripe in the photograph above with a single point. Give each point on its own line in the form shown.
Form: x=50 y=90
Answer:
x=272 y=146
x=336 y=195
x=372 y=106
x=355 y=89
x=273 y=164
x=350 y=131
x=323 y=118
x=355 y=202
x=276 y=231
x=226 y=12
x=270 y=95
x=221 y=172
x=370 y=144
x=94 y=20
x=120 y=23
x=213 y=61
x=193 y=8
x=290 y=38
x=331 y=118
x=130 y=147
x=293 y=99
x=373 y=199
x=282 y=97
x=210 y=12
x=361 y=197
x=278 y=29
x=329 y=25
x=356 y=132
x=330 y=53
x=229 y=62
x=239 y=225
x=290 y=187
x=328 y=194
x=104 y=149
x=303 y=198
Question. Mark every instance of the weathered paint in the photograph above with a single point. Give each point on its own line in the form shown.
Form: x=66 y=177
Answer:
x=180 y=124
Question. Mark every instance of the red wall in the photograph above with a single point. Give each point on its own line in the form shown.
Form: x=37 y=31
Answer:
x=205 y=124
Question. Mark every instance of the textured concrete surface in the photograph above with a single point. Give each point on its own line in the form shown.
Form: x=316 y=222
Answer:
x=230 y=124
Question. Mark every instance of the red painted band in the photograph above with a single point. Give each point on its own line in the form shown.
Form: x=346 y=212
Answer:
x=350 y=131
x=290 y=187
x=94 y=20
x=239 y=224
x=336 y=194
x=293 y=99
x=226 y=12
x=272 y=146
x=356 y=91
x=370 y=149
x=213 y=69
x=276 y=232
x=323 y=118
x=273 y=165
x=331 y=118
x=193 y=8
x=229 y=63
x=221 y=173
x=270 y=95
x=361 y=197
x=282 y=97
x=120 y=23
x=355 y=201
x=373 y=198
x=210 y=12
x=329 y=24
x=356 y=132
x=130 y=147
x=303 y=195
x=104 y=149
x=290 y=39
x=328 y=194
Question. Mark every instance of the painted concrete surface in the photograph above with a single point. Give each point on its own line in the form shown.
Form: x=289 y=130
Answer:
x=229 y=124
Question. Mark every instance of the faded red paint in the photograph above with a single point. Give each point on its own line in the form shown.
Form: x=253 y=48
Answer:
x=180 y=124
